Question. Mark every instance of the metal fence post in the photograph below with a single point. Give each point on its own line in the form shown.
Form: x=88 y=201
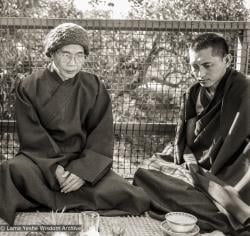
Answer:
x=242 y=63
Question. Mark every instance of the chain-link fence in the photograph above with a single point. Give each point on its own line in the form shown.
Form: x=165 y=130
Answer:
x=144 y=65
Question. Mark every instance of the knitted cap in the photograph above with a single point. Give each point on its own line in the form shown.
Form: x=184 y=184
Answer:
x=65 y=34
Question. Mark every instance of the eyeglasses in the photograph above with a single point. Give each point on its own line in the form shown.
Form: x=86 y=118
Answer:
x=67 y=56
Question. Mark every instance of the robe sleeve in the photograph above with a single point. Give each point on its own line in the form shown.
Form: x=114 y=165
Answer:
x=34 y=140
x=96 y=158
x=187 y=112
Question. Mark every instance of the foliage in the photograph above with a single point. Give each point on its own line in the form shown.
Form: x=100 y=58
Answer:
x=101 y=9
x=61 y=9
x=17 y=8
x=226 y=10
x=39 y=8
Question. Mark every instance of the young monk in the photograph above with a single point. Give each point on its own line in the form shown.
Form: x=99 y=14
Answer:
x=210 y=175
x=65 y=129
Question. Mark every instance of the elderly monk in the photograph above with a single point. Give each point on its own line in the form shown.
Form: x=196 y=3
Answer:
x=65 y=129
x=209 y=175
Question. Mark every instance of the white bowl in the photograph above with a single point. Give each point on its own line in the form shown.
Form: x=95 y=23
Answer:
x=181 y=222
x=167 y=231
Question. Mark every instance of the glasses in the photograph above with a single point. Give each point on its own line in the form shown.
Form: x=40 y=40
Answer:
x=67 y=56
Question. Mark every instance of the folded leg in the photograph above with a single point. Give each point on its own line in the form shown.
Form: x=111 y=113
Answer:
x=168 y=193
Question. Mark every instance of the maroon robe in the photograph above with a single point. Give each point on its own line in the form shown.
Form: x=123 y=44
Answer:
x=67 y=123
x=218 y=160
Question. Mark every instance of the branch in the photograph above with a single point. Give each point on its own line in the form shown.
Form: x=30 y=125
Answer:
x=143 y=68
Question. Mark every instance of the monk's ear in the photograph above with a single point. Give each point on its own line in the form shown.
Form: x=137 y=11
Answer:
x=228 y=59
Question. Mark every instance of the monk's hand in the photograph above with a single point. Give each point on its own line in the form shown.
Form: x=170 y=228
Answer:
x=61 y=174
x=167 y=154
x=72 y=183
x=168 y=149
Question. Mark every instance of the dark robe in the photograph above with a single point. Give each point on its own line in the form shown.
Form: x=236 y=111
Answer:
x=211 y=174
x=68 y=123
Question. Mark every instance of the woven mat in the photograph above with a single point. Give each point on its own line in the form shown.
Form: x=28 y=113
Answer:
x=134 y=226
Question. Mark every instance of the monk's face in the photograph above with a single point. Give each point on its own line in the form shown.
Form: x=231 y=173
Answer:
x=69 y=60
x=207 y=67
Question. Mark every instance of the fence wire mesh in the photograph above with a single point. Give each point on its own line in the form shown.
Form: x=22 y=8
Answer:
x=144 y=65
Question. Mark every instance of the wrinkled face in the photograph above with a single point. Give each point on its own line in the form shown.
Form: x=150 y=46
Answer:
x=208 y=69
x=69 y=60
